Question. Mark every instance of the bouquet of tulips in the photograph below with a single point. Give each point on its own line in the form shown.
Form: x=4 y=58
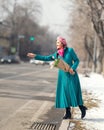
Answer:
x=59 y=63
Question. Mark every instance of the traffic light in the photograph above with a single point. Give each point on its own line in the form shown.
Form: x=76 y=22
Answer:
x=32 y=38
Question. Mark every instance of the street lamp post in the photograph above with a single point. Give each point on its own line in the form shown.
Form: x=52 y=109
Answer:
x=18 y=44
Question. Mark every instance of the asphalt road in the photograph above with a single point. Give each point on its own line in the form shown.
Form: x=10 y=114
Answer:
x=27 y=94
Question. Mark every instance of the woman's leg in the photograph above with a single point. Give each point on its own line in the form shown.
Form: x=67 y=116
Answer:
x=83 y=111
x=68 y=113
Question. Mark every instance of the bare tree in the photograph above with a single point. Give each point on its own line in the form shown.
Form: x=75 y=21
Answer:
x=17 y=17
x=22 y=21
x=81 y=25
x=88 y=31
x=97 y=15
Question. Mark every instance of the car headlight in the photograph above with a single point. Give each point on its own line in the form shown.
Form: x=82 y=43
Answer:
x=2 y=60
x=9 y=60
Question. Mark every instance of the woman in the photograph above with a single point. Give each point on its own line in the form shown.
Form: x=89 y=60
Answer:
x=68 y=93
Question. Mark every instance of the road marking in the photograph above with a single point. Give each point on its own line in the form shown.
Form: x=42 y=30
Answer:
x=28 y=103
x=42 y=109
x=46 y=82
x=22 y=108
x=25 y=74
x=3 y=122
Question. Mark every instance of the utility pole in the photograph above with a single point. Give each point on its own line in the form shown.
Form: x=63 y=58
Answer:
x=18 y=44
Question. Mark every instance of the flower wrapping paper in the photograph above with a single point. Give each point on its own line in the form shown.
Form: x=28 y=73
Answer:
x=59 y=63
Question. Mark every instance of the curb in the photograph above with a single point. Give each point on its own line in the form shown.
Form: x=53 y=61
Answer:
x=64 y=125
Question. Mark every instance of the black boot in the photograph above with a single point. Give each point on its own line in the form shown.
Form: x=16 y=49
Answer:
x=83 y=111
x=68 y=113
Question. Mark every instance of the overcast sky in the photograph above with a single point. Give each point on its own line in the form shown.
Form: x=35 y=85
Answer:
x=55 y=13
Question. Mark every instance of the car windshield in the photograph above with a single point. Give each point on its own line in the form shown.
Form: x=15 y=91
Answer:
x=9 y=56
x=5 y=57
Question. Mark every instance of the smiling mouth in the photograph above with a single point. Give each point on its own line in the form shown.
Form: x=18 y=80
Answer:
x=58 y=48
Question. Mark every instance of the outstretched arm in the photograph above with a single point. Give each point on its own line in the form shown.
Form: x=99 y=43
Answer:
x=31 y=55
x=43 y=58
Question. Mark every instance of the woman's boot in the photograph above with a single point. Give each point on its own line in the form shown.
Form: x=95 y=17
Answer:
x=83 y=111
x=68 y=113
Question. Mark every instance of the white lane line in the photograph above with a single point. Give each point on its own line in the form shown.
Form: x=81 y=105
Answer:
x=25 y=74
x=46 y=82
x=28 y=103
x=3 y=122
x=43 y=108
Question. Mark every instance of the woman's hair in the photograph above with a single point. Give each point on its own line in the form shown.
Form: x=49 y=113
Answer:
x=62 y=40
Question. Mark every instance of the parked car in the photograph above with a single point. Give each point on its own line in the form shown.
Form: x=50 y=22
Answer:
x=10 y=59
x=37 y=62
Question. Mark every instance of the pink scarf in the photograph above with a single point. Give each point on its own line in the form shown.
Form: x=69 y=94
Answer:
x=61 y=52
x=63 y=41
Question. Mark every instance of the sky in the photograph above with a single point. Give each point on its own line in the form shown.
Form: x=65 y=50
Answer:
x=55 y=14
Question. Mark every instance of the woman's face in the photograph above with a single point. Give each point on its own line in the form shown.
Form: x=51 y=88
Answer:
x=59 y=45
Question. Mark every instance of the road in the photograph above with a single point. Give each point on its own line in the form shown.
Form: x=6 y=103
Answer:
x=27 y=94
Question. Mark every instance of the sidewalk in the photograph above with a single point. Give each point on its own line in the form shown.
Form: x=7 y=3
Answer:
x=93 y=94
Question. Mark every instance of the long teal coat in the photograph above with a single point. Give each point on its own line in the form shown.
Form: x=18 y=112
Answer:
x=68 y=92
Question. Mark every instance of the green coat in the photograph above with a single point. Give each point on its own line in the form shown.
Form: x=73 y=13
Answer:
x=68 y=92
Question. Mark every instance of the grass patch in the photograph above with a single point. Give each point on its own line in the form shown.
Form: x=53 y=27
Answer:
x=89 y=100
x=78 y=125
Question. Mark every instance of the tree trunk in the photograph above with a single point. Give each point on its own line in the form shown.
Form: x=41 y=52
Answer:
x=103 y=67
x=100 y=61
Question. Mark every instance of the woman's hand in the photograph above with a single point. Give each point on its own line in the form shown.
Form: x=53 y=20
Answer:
x=31 y=55
x=71 y=71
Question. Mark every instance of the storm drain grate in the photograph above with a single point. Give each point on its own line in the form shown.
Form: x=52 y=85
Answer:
x=43 y=126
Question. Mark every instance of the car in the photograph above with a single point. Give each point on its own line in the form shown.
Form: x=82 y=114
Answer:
x=37 y=62
x=10 y=59
x=48 y=63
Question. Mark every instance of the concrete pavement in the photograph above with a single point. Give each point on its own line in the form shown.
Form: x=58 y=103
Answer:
x=64 y=125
